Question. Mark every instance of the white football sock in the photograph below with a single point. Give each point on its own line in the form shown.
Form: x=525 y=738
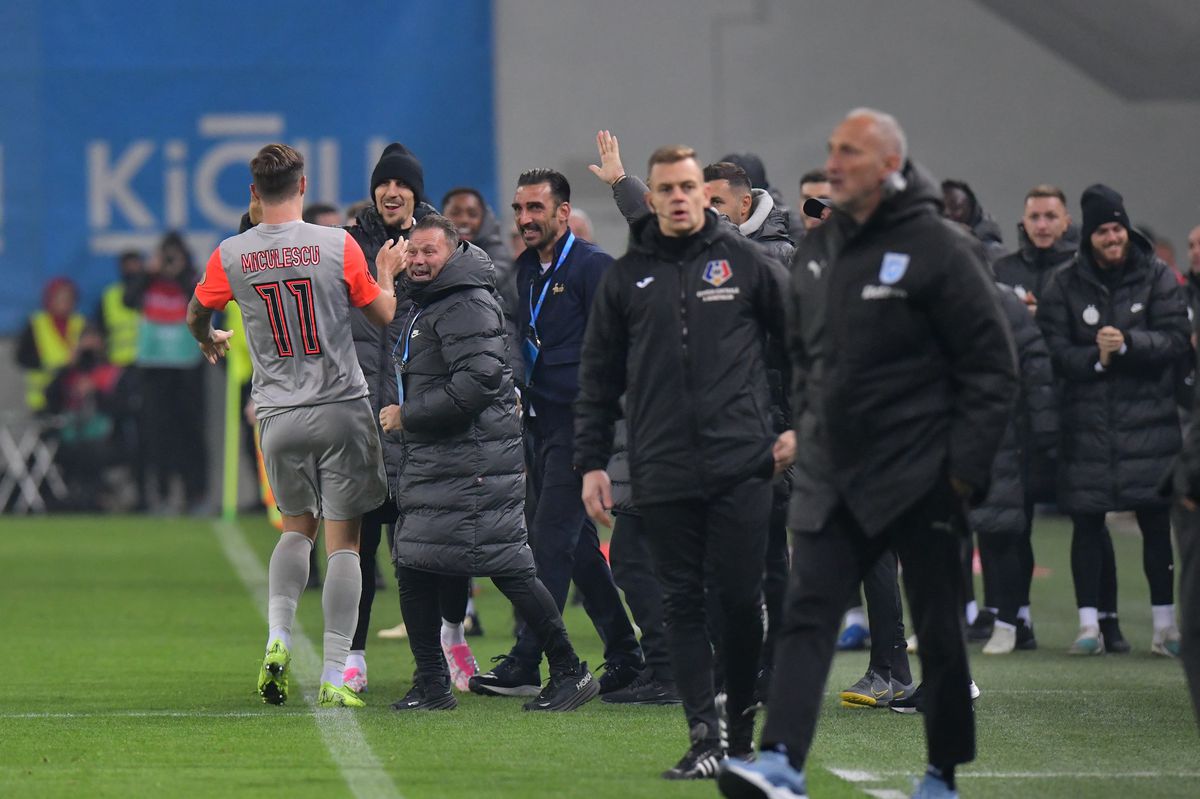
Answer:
x=1025 y=614
x=1088 y=618
x=287 y=573
x=453 y=634
x=357 y=659
x=339 y=600
x=1163 y=615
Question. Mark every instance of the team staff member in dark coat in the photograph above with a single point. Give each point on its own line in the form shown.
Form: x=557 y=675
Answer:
x=905 y=375
x=679 y=326
x=1115 y=321
x=461 y=482
x=1187 y=533
x=557 y=275
x=1003 y=520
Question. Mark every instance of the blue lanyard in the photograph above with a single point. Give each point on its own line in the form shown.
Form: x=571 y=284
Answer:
x=399 y=368
x=535 y=312
x=407 y=337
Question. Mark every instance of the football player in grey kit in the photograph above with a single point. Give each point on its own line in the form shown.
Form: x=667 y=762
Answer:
x=295 y=284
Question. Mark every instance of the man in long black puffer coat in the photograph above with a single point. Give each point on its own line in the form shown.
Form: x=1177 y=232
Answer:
x=1115 y=321
x=461 y=483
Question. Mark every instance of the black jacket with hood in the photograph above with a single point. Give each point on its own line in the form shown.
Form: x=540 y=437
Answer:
x=903 y=365
x=682 y=334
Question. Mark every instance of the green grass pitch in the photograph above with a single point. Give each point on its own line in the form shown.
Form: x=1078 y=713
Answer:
x=130 y=648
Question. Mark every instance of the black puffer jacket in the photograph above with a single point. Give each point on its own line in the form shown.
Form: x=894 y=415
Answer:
x=461 y=482
x=1030 y=268
x=1120 y=430
x=684 y=338
x=1034 y=425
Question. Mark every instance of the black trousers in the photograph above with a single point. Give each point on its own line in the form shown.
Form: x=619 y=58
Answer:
x=566 y=546
x=633 y=571
x=370 y=533
x=885 y=615
x=775 y=572
x=422 y=594
x=1187 y=533
x=731 y=530
x=1093 y=563
x=826 y=567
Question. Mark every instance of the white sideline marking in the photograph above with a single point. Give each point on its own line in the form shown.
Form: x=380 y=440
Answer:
x=361 y=770
x=885 y=793
x=879 y=776
x=143 y=714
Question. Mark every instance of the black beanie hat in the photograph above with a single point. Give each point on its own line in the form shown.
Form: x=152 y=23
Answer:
x=398 y=163
x=1101 y=205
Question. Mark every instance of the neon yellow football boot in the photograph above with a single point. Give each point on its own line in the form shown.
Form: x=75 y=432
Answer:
x=337 y=696
x=273 y=676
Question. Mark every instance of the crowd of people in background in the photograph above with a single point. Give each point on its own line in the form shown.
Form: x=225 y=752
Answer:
x=1096 y=314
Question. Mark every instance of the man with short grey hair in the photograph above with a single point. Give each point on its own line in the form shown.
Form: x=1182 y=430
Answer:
x=903 y=377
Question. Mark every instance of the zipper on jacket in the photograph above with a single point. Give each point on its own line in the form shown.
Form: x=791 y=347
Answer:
x=1113 y=455
x=683 y=340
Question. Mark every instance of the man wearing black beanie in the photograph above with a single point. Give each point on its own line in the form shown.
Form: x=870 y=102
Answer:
x=1115 y=321
x=397 y=186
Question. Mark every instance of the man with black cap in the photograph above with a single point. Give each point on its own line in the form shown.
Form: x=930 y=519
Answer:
x=1115 y=322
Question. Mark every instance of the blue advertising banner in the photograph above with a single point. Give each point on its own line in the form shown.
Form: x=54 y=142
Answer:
x=122 y=121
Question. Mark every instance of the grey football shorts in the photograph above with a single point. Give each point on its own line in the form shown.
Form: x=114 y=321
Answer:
x=325 y=460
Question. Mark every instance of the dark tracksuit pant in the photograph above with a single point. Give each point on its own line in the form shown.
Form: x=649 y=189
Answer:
x=729 y=528
x=633 y=571
x=885 y=615
x=826 y=567
x=1093 y=564
x=565 y=544
x=423 y=593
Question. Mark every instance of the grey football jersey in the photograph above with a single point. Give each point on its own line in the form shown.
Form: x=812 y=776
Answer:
x=295 y=284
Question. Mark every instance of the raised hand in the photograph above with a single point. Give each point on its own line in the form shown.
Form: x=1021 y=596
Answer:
x=611 y=169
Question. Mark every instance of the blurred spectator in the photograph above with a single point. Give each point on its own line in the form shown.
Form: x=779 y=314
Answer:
x=89 y=395
x=171 y=429
x=119 y=322
x=814 y=185
x=757 y=173
x=322 y=214
x=962 y=206
x=353 y=212
x=516 y=241
x=48 y=339
x=476 y=223
x=1193 y=277
x=581 y=224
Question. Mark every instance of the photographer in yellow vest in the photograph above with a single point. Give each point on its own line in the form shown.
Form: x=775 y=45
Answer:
x=49 y=339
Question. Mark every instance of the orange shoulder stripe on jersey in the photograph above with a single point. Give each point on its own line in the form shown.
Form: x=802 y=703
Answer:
x=214 y=290
x=359 y=281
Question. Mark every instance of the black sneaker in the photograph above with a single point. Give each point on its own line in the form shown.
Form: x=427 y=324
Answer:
x=566 y=690
x=428 y=693
x=911 y=702
x=1025 y=638
x=1114 y=642
x=617 y=676
x=981 y=629
x=702 y=761
x=510 y=678
x=646 y=689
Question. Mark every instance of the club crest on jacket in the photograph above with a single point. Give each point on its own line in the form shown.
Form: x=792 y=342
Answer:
x=893 y=267
x=717 y=273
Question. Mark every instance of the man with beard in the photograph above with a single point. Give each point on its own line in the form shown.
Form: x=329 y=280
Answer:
x=556 y=279
x=1115 y=322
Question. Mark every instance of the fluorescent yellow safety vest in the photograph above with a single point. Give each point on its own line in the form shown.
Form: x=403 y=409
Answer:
x=54 y=352
x=121 y=322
